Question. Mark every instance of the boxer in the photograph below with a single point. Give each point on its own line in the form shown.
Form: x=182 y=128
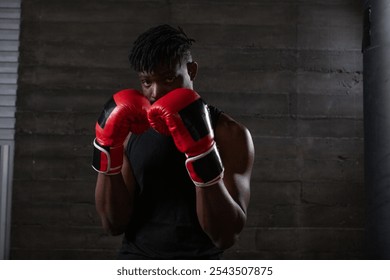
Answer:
x=173 y=171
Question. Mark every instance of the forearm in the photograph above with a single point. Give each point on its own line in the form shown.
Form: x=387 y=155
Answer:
x=219 y=215
x=113 y=203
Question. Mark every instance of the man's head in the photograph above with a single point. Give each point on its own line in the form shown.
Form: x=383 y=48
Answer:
x=162 y=58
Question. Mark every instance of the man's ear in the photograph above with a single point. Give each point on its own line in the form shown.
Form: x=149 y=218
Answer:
x=192 y=68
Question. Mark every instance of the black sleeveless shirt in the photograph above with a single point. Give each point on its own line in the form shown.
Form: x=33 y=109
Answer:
x=164 y=223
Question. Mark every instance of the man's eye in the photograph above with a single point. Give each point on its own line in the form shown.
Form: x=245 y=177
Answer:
x=145 y=83
x=170 y=79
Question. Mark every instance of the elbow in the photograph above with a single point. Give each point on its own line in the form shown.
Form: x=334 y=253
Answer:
x=113 y=230
x=110 y=225
x=226 y=240
x=225 y=243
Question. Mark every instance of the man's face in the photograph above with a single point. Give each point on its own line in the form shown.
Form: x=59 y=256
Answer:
x=163 y=80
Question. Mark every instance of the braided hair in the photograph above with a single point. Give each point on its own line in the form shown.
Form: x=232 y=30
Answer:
x=161 y=45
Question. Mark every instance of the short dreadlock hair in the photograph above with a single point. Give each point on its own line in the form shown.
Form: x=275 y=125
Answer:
x=161 y=45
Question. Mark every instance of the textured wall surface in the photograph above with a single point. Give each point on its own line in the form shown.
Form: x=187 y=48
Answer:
x=291 y=71
x=9 y=45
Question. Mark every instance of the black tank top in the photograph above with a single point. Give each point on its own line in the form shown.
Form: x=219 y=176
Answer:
x=164 y=224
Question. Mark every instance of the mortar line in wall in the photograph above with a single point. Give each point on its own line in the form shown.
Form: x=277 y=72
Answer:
x=330 y=228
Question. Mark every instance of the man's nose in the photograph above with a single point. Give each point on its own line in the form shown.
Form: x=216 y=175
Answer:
x=157 y=91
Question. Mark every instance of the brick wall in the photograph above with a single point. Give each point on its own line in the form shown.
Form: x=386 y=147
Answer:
x=291 y=71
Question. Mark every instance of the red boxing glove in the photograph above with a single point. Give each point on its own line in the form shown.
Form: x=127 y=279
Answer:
x=183 y=114
x=125 y=112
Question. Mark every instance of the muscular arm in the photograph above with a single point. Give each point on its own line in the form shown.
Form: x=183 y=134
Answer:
x=114 y=196
x=221 y=208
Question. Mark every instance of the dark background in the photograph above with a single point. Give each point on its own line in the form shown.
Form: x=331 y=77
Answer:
x=291 y=71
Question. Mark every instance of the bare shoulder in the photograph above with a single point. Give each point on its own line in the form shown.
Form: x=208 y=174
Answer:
x=230 y=132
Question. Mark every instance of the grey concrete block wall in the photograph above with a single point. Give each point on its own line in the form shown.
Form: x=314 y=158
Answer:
x=291 y=71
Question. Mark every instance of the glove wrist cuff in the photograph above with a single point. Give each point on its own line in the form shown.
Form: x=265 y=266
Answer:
x=205 y=169
x=107 y=160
